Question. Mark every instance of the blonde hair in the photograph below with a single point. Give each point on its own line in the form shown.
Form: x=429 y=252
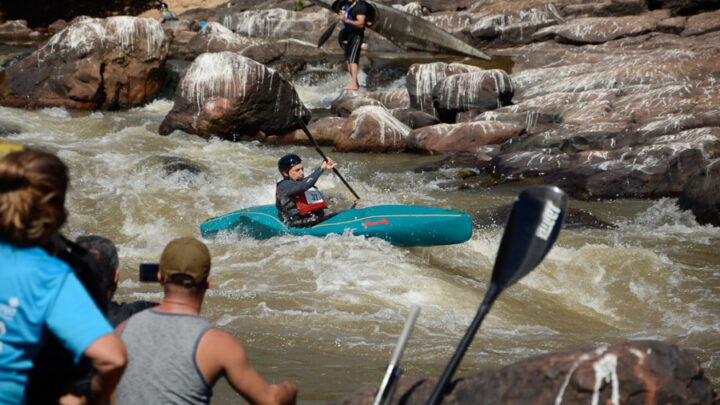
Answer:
x=32 y=197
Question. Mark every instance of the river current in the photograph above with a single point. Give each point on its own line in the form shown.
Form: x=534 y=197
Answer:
x=326 y=312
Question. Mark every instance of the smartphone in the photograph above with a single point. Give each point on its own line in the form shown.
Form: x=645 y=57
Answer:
x=148 y=272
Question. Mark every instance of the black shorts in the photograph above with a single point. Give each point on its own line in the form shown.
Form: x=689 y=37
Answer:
x=351 y=42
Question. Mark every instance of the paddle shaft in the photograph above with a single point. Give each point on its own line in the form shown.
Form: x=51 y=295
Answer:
x=387 y=387
x=317 y=148
x=492 y=293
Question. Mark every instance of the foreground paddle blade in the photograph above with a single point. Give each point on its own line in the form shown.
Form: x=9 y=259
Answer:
x=530 y=232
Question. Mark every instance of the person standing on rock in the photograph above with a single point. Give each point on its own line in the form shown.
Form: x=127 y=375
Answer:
x=354 y=16
x=165 y=13
x=298 y=202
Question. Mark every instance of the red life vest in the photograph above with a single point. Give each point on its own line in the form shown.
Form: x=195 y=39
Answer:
x=309 y=201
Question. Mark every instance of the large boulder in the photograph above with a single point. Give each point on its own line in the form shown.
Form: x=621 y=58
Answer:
x=112 y=63
x=372 y=129
x=482 y=91
x=422 y=78
x=635 y=372
x=233 y=97
x=700 y=195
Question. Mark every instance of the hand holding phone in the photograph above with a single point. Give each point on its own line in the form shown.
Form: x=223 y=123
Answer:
x=148 y=272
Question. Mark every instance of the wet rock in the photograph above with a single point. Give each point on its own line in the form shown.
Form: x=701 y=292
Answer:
x=180 y=32
x=372 y=129
x=512 y=27
x=484 y=90
x=702 y=23
x=233 y=97
x=278 y=23
x=215 y=37
x=700 y=195
x=444 y=138
x=392 y=99
x=597 y=30
x=414 y=118
x=636 y=371
x=349 y=101
x=325 y=131
x=16 y=32
x=422 y=78
x=57 y=26
x=112 y=63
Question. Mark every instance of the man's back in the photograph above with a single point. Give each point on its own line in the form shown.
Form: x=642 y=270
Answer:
x=161 y=360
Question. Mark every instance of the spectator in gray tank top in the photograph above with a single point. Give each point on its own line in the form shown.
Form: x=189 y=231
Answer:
x=174 y=355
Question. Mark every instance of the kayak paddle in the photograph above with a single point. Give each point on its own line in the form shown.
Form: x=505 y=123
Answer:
x=317 y=148
x=531 y=230
x=326 y=34
x=389 y=382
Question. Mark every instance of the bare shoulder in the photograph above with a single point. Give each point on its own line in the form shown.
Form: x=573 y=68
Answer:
x=219 y=342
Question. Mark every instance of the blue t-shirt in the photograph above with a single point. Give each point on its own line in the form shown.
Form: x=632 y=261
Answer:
x=39 y=292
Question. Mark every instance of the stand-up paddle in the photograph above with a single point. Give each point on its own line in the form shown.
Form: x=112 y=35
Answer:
x=389 y=382
x=317 y=148
x=530 y=232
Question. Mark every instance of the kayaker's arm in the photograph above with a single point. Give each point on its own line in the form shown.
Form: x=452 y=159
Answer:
x=289 y=187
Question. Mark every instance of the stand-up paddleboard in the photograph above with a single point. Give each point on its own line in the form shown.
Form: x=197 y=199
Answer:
x=408 y=31
x=401 y=225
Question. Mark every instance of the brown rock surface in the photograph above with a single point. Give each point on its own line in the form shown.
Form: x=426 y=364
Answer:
x=642 y=372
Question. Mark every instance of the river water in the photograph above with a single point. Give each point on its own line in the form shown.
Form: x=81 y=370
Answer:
x=326 y=312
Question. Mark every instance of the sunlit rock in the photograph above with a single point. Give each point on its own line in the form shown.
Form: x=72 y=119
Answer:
x=702 y=23
x=278 y=23
x=700 y=195
x=512 y=27
x=596 y=30
x=644 y=371
x=232 y=97
x=215 y=37
x=325 y=131
x=349 y=101
x=414 y=118
x=372 y=129
x=483 y=90
x=392 y=99
x=422 y=78
x=16 y=32
x=464 y=137
x=110 y=63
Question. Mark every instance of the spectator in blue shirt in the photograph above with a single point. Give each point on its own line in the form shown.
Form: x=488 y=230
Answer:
x=39 y=292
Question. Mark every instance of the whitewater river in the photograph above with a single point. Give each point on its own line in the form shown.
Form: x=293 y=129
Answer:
x=326 y=313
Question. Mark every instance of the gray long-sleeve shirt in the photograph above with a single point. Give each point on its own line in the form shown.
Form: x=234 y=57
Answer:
x=285 y=203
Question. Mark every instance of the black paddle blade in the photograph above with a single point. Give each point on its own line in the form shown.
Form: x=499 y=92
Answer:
x=531 y=230
x=326 y=34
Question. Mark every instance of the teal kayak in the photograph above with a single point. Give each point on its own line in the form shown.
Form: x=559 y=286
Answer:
x=401 y=225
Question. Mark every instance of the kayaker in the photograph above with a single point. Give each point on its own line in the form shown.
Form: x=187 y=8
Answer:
x=353 y=15
x=298 y=202
x=176 y=356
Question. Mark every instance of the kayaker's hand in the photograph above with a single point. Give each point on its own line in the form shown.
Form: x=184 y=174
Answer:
x=328 y=164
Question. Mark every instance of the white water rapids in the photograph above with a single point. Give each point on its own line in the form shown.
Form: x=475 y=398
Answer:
x=326 y=312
